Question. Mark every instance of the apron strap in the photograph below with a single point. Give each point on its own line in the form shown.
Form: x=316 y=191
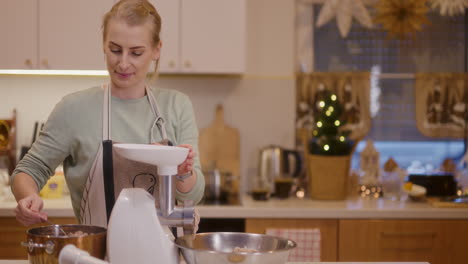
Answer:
x=108 y=174
x=159 y=121
x=106 y=113
x=107 y=163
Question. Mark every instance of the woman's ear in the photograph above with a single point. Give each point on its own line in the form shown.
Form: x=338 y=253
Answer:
x=157 y=51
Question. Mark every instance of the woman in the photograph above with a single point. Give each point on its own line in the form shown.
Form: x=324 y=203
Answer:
x=78 y=132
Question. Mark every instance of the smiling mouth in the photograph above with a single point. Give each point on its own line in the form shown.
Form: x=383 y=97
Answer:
x=123 y=75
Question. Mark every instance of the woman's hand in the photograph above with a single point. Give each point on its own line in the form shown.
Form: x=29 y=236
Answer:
x=185 y=170
x=28 y=211
x=187 y=165
x=186 y=178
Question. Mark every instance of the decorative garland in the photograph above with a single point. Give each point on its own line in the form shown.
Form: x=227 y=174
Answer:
x=344 y=11
x=402 y=17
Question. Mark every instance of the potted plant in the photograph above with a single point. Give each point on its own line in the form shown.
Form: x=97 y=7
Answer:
x=329 y=149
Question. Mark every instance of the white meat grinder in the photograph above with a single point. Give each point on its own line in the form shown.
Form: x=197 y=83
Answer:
x=137 y=232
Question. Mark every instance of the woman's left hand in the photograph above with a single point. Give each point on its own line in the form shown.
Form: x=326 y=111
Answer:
x=187 y=165
x=186 y=183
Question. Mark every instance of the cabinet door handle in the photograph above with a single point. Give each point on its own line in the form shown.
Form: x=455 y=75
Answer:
x=188 y=64
x=171 y=64
x=45 y=63
x=28 y=63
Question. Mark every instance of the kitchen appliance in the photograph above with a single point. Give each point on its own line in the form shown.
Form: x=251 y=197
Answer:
x=277 y=165
x=137 y=231
x=436 y=184
x=167 y=158
x=135 y=234
x=73 y=255
x=45 y=243
x=223 y=247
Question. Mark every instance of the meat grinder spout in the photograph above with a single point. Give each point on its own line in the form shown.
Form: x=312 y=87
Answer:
x=169 y=214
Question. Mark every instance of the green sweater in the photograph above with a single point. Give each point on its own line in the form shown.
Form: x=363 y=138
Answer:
x=73 y=133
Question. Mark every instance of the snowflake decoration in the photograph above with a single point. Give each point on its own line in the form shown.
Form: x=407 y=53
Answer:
x=450 y=7
x=344 y=10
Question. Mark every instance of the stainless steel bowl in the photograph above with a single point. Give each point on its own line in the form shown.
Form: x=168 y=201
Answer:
x=222 y=247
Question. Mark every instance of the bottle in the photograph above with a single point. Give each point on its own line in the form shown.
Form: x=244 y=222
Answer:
x=54 y=187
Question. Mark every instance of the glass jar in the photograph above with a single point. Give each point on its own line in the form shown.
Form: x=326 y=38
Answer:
x=392 y=185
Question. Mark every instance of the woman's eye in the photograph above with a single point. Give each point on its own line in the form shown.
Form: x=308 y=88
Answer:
x=137 y=53
x=115 y=50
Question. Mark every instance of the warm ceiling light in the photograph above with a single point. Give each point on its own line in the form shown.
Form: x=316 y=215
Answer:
x=56 y=72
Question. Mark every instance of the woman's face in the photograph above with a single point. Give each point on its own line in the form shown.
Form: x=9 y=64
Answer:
x=129 y=51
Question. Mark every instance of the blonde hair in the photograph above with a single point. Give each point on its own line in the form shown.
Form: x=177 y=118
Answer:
x=134 y=13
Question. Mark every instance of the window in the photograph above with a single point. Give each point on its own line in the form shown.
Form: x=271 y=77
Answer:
x=440 y=47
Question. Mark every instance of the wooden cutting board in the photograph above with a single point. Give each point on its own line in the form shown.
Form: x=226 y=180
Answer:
x=219 y=145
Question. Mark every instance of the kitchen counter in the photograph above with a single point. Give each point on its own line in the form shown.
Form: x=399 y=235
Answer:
x=339 y=222
x=356 y=208
x=53 y=207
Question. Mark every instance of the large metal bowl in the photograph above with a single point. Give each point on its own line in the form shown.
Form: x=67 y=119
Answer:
x=222 y=247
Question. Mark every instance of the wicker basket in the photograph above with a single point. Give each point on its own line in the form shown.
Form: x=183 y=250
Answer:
x=328 y=176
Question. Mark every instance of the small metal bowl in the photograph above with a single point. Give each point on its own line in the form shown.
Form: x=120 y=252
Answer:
x=223 y=247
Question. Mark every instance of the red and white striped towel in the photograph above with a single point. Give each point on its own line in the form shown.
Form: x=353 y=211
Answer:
x=308 y=242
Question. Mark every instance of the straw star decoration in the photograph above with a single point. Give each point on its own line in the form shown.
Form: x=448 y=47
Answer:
x=402 y=17
x=344 y=11
x=450 y=7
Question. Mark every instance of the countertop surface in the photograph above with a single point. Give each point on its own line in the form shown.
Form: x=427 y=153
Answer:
x=356 y=208
x=26 y=262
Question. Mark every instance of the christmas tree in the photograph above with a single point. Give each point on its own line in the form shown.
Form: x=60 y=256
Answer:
x=328 y=135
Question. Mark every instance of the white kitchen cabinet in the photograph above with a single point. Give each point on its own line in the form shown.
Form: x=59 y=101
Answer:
x=18 y=20
x=52 y=34
x=204 y=36
x=70 y=35
x=169 y=12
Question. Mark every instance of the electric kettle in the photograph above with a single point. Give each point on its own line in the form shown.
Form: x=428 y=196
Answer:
x=278 y=166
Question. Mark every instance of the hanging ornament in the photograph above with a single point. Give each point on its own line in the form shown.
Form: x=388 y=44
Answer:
x=450 y=7
x=401 y=17
x=344 y=10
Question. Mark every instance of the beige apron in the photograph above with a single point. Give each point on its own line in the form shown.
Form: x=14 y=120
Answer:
x=100 y=192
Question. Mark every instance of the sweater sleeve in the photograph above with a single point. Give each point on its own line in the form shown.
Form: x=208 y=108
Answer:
x=187 y=133
x=50 y=148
